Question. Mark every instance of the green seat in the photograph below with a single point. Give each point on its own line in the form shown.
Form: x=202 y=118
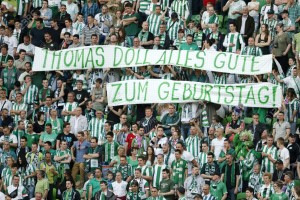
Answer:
x=241 y=196
x=158 y=118
x=298 y=121
x=247 y=120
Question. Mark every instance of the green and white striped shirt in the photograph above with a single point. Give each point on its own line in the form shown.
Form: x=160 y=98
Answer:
x=173 y=29
x=69 y=107
x=202 y=159
x=271 y=26
x=28 y=171
x=144 y=5
x=193 y=145
x=252 y=51
x=236 y=39
x=154 y=22
x=37 y=3
x=96 y=128
x=267 y=165
x=291 y=107
x=180 y=7
x=18 y=107
x=30 y=95
x=157 y=174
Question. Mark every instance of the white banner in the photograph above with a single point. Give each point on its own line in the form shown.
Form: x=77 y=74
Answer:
x=265 y=95
x=117 y=57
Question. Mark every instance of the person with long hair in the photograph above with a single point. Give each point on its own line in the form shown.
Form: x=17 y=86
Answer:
x=132 y=160
x=39 y=124
x=46 y=13
x=117 y=20
x=28 y=173
x=263 y=40
x=124 y=40
x=150 y=155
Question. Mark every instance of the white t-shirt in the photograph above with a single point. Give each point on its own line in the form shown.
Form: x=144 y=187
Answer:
x=187 y=156
x=12 y=43
x=293 y=83
x=119 y=189
x=218 y=146
x=12 y=139
x=284 y=154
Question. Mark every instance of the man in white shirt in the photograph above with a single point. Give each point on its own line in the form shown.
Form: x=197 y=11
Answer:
x=292 y=81
x=217 y=144
x=72 y=9
x=29 y=48
x=187 y=156
x=104 y=20
x=119 y=186
x=78 y=122
x=283 y=153
x=12 y=41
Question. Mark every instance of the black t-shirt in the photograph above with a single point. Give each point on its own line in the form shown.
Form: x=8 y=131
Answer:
x=38 y=36
x=294 y=150
x=80 y=95
x=228 y=175
x=56 y=35
x=111 y=116
x=38 y=128
x=70 y=138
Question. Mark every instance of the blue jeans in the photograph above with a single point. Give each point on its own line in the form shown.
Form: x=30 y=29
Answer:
x=230 y=194
x=185 y=130
x=30 y=189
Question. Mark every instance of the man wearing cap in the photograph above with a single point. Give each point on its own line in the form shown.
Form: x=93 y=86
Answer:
x=173 y=25
x=180 y=193
x=231 y=175
x=288 y=25
x=218 y=188
x=279 y=172
x=271 y=22
x=264 y=10
x=193 y=184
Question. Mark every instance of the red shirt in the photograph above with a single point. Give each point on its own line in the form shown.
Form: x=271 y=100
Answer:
x=129 y=139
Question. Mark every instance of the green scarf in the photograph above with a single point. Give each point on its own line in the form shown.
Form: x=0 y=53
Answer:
x=212 y=19
x=232 y=177
x=143 y=36
x=112 y=150
x=12 y=77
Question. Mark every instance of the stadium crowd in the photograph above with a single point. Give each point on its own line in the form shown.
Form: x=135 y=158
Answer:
x=60 y=140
